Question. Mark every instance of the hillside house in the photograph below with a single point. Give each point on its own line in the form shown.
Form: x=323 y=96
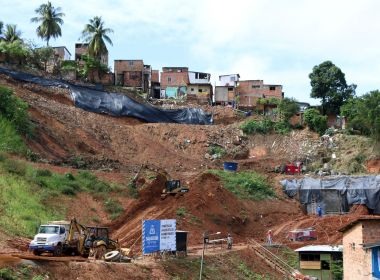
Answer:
x=82 y=48
x=225 y=92
x=250 y=91
x=199 y=87
x=133 y=73
x=62 y=53
x=361 y=246
x=155 y=84
x=317 y=260
x=174 y=82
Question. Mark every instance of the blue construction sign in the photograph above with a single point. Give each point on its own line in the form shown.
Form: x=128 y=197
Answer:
x=158 y=235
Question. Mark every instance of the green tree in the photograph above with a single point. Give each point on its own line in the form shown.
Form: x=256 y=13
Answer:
x=92 y=66
x=363 y=114
x=51 y=21
x=1 y=29
x=315 y=120
x=15 y=51
x=95 y=34
x=11 y=33
x=287 y=108
x=328 y=82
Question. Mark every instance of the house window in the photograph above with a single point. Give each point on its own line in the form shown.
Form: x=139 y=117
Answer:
x=230 y=89
x=325 y=265
x=130 y=63
x=169 y=79
x=255 y=86
x=310 y=257
x=200 y=90
x=272 y=88
x=192 y=89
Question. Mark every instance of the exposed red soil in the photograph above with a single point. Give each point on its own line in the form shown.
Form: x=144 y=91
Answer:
x=115 y=148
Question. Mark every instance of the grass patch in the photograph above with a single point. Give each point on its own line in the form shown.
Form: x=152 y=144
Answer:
x=26 y=194
x=289 y=256
x=181 y=212
x=246 y=185
x=23 y=207
x=226 y=266
x=10 y=140
x=113 y=207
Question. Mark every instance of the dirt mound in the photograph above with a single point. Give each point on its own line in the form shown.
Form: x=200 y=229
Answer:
x=206 y=207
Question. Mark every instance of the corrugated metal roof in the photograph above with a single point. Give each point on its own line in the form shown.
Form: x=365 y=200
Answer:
x=320 y=248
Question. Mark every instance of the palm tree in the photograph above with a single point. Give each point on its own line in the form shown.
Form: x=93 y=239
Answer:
x=95 y=34
x=11 y=33
x=51 y=19
x=1 y=28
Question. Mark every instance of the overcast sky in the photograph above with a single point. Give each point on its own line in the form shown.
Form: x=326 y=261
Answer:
x=274 y=40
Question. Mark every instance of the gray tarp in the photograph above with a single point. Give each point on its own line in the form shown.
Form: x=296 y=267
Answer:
x=347 y=189
x=115 y=104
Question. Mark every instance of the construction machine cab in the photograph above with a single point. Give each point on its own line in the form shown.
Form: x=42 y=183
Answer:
x=100 y=242
x=173 y=187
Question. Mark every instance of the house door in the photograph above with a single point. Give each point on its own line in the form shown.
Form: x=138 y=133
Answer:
x=325 y=267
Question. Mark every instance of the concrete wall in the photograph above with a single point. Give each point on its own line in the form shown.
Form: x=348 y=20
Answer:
x=228 y=80
x=62 y=52
x=357 y=263
x=199 y=90
x=195 y=78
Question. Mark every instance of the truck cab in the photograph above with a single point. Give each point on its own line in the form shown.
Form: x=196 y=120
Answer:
x=51 y=238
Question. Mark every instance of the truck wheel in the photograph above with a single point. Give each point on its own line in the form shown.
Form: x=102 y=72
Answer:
x=37 y=252
x=57 y=251
x=112 y=256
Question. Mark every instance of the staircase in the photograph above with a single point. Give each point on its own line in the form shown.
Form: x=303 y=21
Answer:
x=275 y=262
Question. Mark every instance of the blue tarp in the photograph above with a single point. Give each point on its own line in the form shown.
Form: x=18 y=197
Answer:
x=116 y=104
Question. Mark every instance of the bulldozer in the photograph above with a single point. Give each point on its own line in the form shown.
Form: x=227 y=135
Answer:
x=173 y=187
x=100 y=243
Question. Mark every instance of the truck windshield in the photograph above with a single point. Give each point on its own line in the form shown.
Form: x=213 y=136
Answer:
x=49 y=229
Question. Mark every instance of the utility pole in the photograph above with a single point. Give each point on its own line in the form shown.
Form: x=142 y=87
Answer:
x=203 y=253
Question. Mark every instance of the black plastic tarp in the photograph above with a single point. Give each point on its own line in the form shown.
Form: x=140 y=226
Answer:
x=347 y=189
x=116 y=104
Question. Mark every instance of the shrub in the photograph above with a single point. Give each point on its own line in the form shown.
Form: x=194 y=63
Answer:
x=315 y=120
x=10 y=140
x=43 y=172
x=216 y=150
x=282 y=127
x=181 y=212
x=15 y=167
x=113 y=207
x=68 y=190
x=252 y=126
x=15 y=110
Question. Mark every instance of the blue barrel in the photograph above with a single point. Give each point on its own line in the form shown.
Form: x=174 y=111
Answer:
x=230 y=166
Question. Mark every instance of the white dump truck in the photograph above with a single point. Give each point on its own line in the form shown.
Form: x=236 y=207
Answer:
x=60 y=237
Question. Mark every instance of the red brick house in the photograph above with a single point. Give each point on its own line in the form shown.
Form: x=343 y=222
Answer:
x=249 y=92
